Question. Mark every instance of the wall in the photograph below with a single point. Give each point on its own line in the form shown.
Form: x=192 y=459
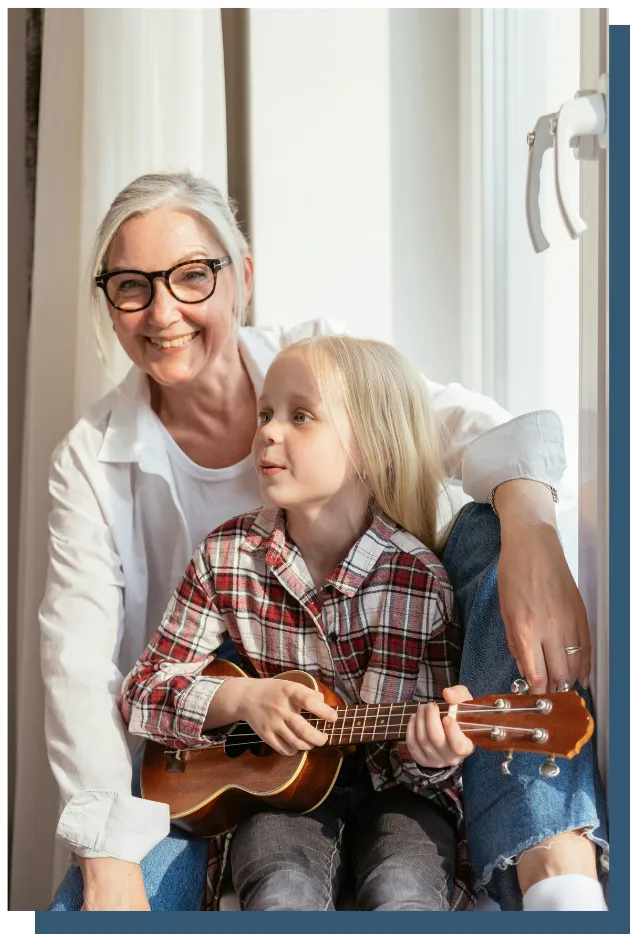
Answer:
x=354 y=174
x=320 y=167
x=425 y=187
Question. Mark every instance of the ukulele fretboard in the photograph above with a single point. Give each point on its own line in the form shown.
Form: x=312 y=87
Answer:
x=363 y=723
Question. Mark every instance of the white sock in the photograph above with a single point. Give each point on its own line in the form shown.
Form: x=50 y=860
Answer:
x=565 y=893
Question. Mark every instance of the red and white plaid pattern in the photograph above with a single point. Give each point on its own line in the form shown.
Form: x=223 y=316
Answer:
x=387 y=623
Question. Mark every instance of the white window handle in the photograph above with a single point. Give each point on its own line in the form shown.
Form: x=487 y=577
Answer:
x=539 y=141
x=585 y=116
x=575 y=125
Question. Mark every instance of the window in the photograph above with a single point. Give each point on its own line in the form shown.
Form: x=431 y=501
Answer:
x=521 y=343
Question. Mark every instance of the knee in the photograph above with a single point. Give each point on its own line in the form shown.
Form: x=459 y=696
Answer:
x=284 y=889
x=408 y=902
x=403 y=892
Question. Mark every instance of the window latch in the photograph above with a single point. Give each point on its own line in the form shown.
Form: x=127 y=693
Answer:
x=581 y=125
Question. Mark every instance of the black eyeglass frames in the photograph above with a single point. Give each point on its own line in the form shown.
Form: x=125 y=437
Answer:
x=191 y=281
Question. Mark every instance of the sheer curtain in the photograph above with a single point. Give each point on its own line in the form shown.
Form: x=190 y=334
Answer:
x=123 y=92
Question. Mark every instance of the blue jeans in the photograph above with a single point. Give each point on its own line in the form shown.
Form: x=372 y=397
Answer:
x=174 y=871
x=504 y=814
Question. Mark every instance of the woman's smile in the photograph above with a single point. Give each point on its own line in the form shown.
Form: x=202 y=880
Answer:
x=172 y=345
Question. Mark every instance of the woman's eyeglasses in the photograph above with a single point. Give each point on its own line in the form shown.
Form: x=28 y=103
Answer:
x=191 y=281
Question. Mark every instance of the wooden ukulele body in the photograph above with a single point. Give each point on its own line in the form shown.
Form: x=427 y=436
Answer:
x=209 y=792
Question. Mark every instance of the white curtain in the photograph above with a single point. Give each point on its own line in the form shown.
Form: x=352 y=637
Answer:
x=123 y=92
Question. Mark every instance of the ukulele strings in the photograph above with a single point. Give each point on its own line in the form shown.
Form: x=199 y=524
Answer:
x=389 y=726
x=389 y=723
x=316 y=721
x=468 y=727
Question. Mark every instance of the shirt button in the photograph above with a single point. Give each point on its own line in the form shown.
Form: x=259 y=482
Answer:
x=333 y=637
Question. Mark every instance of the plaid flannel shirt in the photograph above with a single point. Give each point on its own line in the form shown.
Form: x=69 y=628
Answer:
x=387 y=624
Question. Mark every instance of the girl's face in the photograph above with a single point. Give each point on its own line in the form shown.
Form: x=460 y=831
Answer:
x=302 y=456
x=157 y=241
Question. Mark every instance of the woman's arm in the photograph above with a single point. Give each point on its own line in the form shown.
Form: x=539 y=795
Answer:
x=81 y=620
x=484 y=445
x=540 y=603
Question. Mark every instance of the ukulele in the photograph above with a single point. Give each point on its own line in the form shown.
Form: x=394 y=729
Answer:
x=209 y=790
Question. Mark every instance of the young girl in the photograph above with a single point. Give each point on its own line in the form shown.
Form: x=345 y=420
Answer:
x=335 y=575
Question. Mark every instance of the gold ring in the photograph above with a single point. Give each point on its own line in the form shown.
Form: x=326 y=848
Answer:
x=573 y=650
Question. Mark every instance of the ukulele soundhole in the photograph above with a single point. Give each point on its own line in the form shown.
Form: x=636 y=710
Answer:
x=244 y=739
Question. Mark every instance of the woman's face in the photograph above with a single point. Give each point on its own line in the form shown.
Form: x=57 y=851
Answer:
x=157 y=241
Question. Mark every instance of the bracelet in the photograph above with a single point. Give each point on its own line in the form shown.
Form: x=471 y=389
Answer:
x=554 y=495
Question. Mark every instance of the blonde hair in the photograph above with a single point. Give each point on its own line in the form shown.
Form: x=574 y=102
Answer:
x=387 y=402
x=182 y=191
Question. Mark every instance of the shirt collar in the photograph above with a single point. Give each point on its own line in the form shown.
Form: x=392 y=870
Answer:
x=268 y=534
x=122 y=440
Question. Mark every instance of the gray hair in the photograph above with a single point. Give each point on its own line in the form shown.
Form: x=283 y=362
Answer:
x=184 y=191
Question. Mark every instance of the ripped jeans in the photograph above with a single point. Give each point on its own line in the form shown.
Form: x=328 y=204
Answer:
x=507 y=814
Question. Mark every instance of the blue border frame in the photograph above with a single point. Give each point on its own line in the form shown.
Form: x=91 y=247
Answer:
x=619 y=480
x=410 y=922
x=4 y=623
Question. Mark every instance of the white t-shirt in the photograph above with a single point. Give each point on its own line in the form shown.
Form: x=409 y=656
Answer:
x=209 y=496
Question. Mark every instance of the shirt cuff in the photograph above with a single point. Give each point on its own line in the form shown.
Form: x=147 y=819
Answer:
x=529 y=446
x=417 y=774
x=192 y=710
x=97 y=824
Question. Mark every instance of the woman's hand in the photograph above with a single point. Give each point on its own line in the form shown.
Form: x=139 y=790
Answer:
x=439 y=743
x=113 y=885
x=540 y=603
x=272 y=709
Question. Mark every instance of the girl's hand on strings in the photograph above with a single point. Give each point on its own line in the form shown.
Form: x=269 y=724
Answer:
x=436 y=742
x=273 y=710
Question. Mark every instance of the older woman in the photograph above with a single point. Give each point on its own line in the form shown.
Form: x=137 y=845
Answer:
x=163 y=459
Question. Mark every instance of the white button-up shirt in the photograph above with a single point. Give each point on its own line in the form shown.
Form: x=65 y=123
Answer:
x=119 y=544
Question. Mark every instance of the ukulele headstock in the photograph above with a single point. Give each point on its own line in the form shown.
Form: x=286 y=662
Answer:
x=554 y=724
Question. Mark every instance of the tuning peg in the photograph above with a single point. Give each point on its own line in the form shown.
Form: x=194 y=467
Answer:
x=506 y=763
x=520 y=686
x=549 y=769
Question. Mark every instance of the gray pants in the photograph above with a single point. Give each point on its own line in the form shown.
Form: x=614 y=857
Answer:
x=401 y=846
